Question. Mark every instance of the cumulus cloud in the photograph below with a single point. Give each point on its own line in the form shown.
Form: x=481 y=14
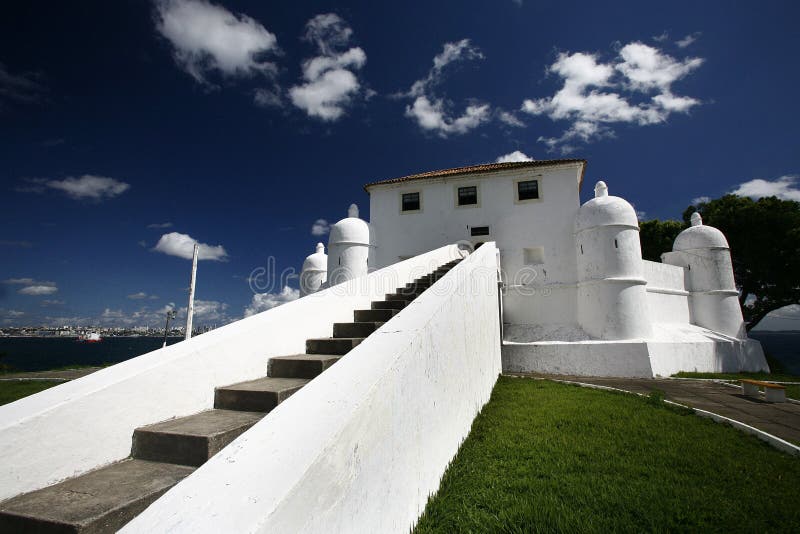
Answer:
x=636 y=88
x=208 y=38
x=89 y=187
x=433 y=113
x=38 y=290
x=33 y=287
x=330 y=83
x=513 y=157
x=509 y=119
x=182 y=246
x=700 y=200
x=266 y=301
x=785 y=187
x=320 y=227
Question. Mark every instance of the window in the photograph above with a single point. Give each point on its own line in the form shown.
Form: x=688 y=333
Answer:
x=527 y=190
x=410 y=202
x=468 y=196
x=479 y=230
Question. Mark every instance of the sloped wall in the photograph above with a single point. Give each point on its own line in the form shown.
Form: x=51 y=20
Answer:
x=360 y=448
x=87 y=423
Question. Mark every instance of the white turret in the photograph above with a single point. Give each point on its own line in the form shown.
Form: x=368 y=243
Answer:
x=348 y=248
x=714 y=302
x=315 y=271
x=612 y=300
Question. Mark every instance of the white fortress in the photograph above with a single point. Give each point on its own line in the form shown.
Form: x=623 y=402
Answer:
x=577 y=297
x=340 y=411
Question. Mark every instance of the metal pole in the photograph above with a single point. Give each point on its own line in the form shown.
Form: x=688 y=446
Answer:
x=190 y=309
x=166 y=327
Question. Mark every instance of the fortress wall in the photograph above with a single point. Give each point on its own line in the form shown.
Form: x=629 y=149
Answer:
x=362 y=446
x=667 y=297
x=87 y=423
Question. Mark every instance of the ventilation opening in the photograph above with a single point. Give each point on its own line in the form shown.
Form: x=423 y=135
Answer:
x=479 y=230
x=616 y=245
x=581 y=249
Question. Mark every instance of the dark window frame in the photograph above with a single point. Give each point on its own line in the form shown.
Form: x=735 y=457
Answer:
x=519 y=191
x=472 y=194
x=404 y=209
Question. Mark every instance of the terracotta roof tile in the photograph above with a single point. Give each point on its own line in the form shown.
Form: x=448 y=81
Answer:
x=472 y=169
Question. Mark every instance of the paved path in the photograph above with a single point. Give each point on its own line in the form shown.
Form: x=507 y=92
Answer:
x=64 y=375
x=779 y=419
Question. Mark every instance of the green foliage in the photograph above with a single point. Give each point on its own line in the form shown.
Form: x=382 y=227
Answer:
x=550 y=457
x=657 y=237
x=764 y=236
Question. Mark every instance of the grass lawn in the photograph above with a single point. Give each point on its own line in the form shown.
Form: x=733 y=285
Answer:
x=544 y=456
x=11 y=390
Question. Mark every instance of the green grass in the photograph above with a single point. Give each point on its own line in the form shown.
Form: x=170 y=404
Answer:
x=544 y=456
x=11 y=390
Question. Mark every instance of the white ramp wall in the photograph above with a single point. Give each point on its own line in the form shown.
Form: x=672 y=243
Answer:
x=87 y=423
x=361 y=447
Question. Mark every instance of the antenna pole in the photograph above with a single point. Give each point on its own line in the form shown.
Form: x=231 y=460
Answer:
x=190 y=309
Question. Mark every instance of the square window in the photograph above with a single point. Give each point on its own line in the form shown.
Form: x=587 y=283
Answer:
x=410 y=202
x=468 y=196
x=527 y=190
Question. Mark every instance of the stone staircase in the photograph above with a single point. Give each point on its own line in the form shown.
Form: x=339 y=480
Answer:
x=164 y=453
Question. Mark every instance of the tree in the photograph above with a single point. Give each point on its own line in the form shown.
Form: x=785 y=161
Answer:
x=657 y=237
x=764 y=237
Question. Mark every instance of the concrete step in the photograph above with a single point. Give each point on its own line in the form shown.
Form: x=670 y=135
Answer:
x=300 y=365
x=332 y=345
x=355 y=329
x=405 y=293
x=102 y=500
x=368 y=316
x=191 y=440
x=400 y=296
x=260 y=395
x=389 y=304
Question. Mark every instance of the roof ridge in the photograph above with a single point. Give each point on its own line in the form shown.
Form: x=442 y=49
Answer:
x=469 y=169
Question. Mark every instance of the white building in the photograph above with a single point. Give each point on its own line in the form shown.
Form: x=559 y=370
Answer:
x=577 y=296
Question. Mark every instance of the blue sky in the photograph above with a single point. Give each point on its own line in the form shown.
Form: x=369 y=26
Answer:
x=130 y=128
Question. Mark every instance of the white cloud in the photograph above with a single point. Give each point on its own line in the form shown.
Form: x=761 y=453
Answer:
x=784 y=188
x=33 y=287
x=591 y=97
x=45 y=303
x=182 y=246
x=266 y=301
x=700 y=200
x=686 y=41
x=330 y=84
x=661 y=38
x=38 y=290
x=431 y=112
x=87 y=187
x=207 y=37
x=320 y=227
x=141 y=295
x=432 y=116
x=509 y=119
x=160 y=225
x=209 y=310
x=512 y=157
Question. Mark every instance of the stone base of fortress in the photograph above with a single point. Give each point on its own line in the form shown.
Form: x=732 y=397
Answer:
x=671 y=349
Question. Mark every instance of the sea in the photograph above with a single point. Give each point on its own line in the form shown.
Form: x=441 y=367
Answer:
x=42 y=353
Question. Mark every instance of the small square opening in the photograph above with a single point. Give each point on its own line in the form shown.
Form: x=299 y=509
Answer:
x=468 y=196
x=410 y=202
x=527 y=190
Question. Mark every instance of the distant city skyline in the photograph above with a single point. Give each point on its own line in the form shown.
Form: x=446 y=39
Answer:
x=131 y=130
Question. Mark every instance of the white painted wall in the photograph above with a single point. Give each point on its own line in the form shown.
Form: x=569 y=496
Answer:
x=87 y=423
x=667 y=297
x=545 y=223
x=361 y=447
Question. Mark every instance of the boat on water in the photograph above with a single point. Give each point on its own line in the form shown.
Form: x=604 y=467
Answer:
x=91 y=337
